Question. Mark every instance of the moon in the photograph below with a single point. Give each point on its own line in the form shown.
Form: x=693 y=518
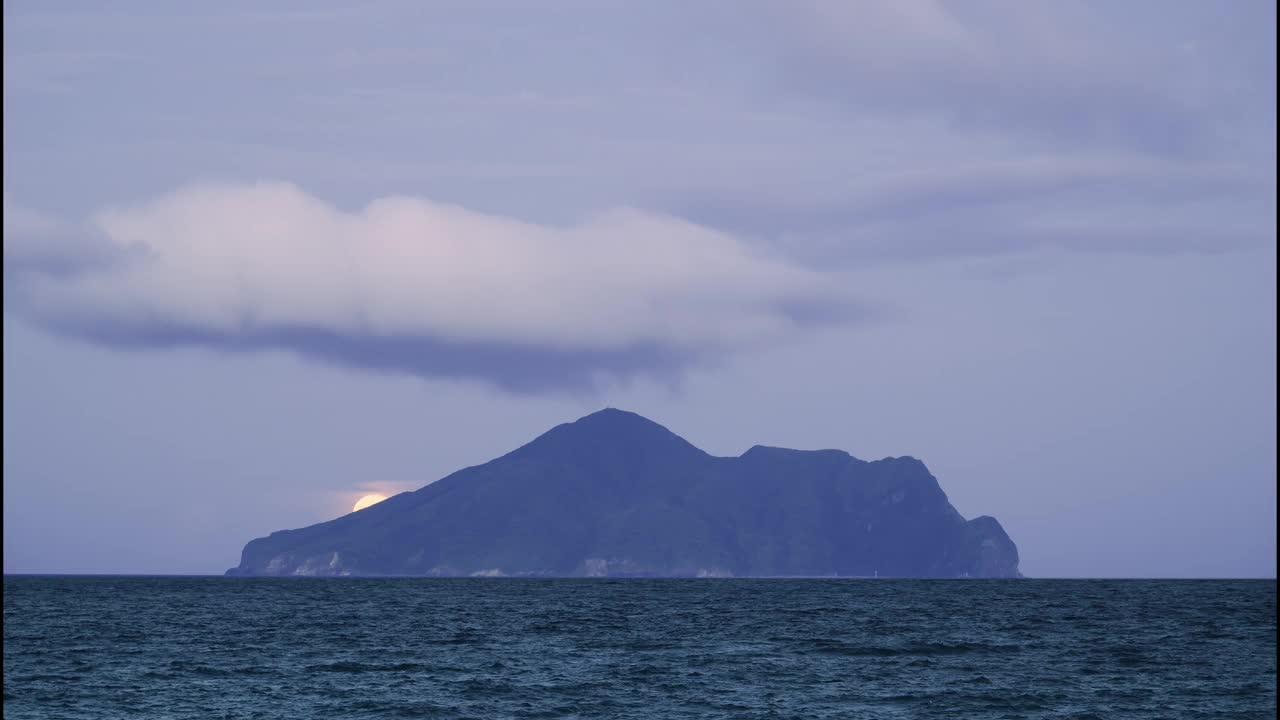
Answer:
x=367 y=500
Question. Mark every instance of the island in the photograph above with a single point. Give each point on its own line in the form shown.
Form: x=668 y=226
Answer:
x=614 y=494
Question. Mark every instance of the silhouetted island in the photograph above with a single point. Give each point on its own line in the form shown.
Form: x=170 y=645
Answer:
x=617 y=495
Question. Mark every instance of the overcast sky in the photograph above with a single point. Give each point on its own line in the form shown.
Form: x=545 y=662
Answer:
x=260 y=260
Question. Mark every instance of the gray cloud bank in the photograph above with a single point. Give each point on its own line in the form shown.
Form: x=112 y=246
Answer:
x=1155 y=76
x=1091 y=204
x=408 y=285
x=976 y=128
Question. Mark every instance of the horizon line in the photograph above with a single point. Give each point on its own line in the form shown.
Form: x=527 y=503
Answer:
x=578 y=577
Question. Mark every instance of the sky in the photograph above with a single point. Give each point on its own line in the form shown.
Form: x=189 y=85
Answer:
x=262 y=259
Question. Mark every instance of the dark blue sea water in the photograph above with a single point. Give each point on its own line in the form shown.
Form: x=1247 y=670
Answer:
x=80 y=647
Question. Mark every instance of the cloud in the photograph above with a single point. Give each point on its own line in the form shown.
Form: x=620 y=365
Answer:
x=982 y=127
x=408 y=285
x=20 y=222
x=1148 y=76
x=36 y=242
x=1109 y=202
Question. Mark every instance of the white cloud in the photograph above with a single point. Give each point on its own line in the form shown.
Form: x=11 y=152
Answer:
x=250 y=264
x=36 y=241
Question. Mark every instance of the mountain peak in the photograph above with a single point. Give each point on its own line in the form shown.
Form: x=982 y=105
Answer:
x=612 y=427
x=617 y=417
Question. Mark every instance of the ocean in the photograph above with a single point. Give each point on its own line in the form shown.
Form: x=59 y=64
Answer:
x=223 y=648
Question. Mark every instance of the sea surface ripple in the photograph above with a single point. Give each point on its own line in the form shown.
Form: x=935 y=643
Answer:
x=224 y=648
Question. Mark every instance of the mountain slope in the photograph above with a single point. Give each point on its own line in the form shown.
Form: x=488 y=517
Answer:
x=615 y=494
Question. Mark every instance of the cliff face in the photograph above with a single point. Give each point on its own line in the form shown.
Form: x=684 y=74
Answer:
x=614 y=494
